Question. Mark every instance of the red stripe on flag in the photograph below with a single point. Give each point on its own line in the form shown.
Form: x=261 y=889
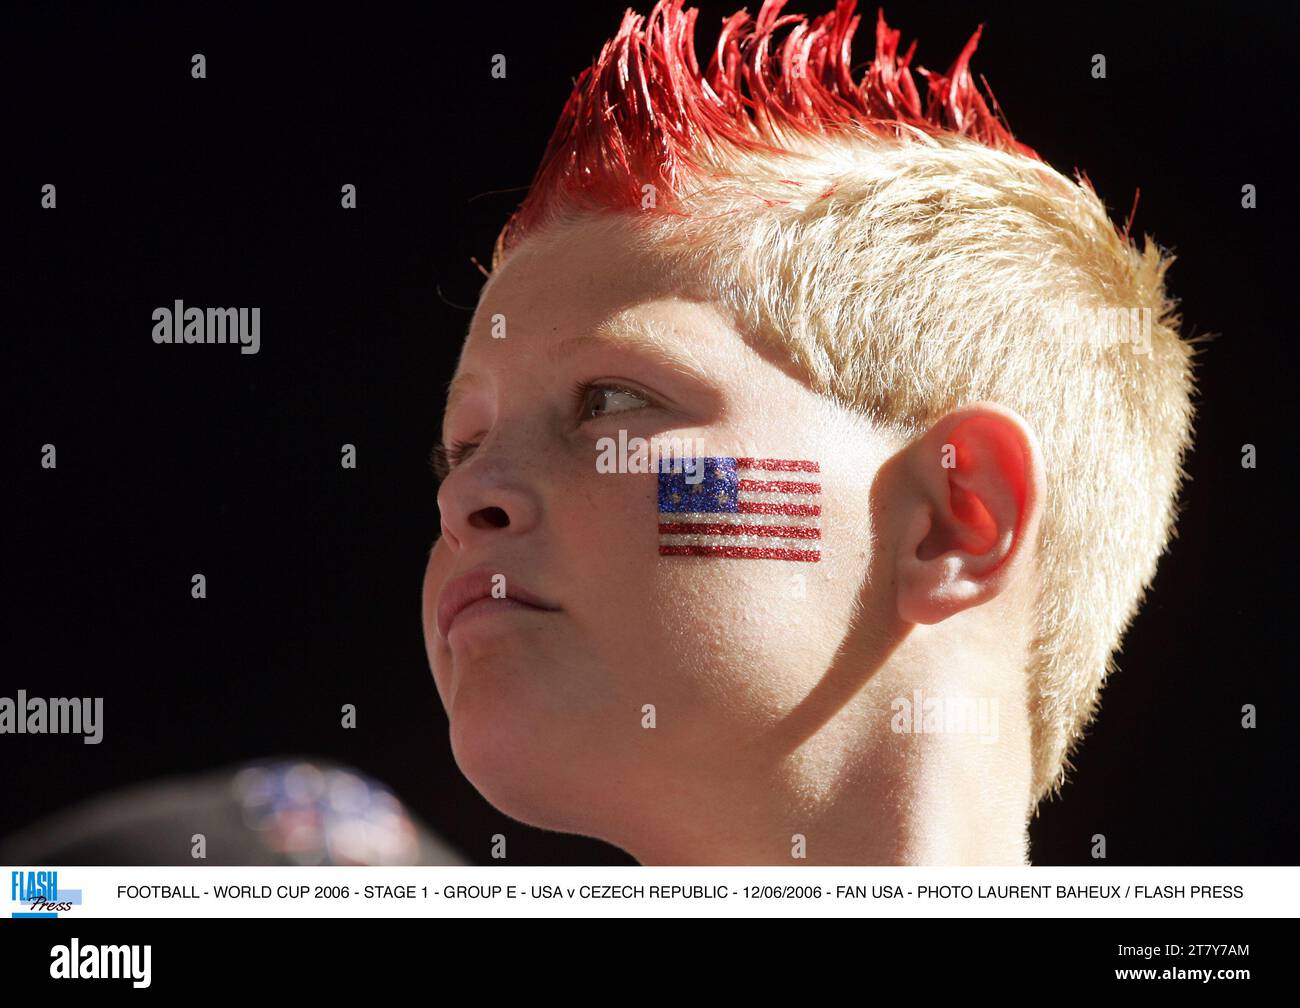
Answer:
x=742 y=552
x=779 y=486
x=793 y=510
x=778 y=465
x=775 y=531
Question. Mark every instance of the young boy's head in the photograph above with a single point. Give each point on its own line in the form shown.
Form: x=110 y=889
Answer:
x=941 y=404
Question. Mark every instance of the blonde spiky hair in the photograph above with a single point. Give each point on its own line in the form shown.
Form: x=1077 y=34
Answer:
x=908 y=258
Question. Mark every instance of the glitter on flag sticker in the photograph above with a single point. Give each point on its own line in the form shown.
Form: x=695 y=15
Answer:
x=742 y=508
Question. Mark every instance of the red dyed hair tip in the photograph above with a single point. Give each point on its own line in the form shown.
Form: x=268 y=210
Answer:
x=643 y=113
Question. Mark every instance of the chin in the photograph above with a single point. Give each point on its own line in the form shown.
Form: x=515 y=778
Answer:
x=513 y=760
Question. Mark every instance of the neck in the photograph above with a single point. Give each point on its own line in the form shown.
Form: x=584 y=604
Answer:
x=947 y=784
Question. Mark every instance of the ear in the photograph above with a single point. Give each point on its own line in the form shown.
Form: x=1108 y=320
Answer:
x=972 y=498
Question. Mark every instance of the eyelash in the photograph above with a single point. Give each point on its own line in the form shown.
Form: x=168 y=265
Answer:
x=447 y=457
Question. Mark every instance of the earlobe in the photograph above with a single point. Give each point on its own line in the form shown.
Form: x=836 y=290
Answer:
x=971 y=501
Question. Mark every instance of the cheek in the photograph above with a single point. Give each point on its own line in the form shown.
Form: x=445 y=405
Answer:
x=708 y=638
x=703 y=638
x=607 y=539
x=435 y=574
x=732 y=634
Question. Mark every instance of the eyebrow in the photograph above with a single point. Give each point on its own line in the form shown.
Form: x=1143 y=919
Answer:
x=639 y=335
x=457 y=387
x=612 y=334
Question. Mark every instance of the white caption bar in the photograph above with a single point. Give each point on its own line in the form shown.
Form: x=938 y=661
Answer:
x=651 y=892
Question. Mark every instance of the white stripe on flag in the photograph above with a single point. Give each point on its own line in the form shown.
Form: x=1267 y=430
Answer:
x=730 y=518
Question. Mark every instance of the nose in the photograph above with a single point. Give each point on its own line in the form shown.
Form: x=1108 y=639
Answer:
x=485 y=498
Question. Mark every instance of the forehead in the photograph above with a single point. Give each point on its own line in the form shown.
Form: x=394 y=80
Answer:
x=587 y=287
x=574 y=276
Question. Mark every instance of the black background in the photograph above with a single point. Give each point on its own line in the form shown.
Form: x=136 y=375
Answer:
x=335 y=958
x=225 y=191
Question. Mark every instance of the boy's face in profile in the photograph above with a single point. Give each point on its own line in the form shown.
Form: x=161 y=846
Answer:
x=738 y=657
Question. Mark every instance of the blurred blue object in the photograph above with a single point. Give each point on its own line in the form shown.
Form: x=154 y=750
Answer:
x=274 y=811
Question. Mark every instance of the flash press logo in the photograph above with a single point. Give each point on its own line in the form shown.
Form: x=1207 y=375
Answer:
x=75 y=961
x=37 y=894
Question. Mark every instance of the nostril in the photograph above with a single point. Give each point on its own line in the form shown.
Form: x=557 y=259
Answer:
x=489 y=517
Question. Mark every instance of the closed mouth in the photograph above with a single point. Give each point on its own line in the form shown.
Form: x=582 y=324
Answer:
x=484 y=590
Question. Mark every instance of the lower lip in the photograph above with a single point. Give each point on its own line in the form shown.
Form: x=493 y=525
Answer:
x=484 y=609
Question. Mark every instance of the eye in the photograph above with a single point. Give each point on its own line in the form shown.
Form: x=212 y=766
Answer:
x=593 y=401
x=597 y=400
x=447 y=457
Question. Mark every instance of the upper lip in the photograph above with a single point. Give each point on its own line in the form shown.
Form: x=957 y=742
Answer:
x=476 y=584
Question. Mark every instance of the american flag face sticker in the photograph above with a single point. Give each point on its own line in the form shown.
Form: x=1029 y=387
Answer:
x=741 y=508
